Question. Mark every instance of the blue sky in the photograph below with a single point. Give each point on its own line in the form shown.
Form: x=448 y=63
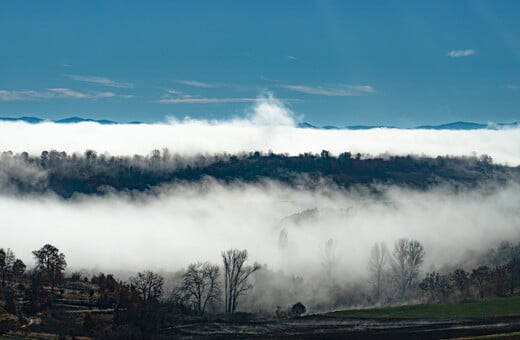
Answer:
x=399 y=63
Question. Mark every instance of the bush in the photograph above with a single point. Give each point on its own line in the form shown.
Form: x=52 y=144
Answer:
x=298 y=309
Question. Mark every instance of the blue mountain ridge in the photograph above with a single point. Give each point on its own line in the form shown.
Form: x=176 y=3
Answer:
x=449 y=126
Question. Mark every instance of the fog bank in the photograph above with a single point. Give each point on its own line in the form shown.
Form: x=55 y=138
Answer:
x=188 y=223
x=268 y=126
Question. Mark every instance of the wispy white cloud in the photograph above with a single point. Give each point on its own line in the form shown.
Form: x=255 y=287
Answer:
x=196 y=83
x=65 y=92
x=173 y=91
x=460 y=53
x=16 y=95
x=340 y=90
x=56 y=92
x=291 y=58
x=100 y=80
x=191 y=99
x=68 y=93
x=513 y=87
x=199 y=100
x=109 y=95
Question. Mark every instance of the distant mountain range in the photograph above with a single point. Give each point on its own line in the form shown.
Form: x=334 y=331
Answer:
x=449 y=126
x=69 y=120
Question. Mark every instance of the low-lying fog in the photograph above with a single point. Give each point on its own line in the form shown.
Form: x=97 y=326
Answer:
x=268 y=126
x=188 y=223
x=184 y=223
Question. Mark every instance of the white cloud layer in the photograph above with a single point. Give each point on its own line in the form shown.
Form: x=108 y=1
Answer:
x=269 y=126
x=188 y=223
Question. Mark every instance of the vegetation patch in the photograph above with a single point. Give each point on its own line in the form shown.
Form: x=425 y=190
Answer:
x=500 y=306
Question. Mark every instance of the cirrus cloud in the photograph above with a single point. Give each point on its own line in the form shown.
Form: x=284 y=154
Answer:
x=460 y=53
x=100 y=81
x=196 y=83
x=340 y=90
x=199 y=100
x=54 y=93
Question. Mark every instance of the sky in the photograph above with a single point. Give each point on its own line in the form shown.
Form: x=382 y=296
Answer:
x=399 y=63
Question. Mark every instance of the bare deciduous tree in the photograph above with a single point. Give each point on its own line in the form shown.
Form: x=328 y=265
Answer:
x=235 y=277
x=200 y=285
x=379 y=257
x=146 y=310
x=149 y=285
x=408 y=257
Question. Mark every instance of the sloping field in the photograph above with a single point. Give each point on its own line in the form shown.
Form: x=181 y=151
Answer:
x=496 y=307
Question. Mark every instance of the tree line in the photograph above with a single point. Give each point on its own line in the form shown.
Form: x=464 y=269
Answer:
x=91 y=173
x=140 y=302
x=395 y=275
x=500 y=277
x=144 y=305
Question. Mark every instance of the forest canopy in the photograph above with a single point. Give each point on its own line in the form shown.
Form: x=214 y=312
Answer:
x=93 y=173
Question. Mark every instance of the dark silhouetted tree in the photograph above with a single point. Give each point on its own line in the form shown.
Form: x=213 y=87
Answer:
x=7 y=259
x=38 y=296
x=481 y=277
x=435 y=284
x=18 y=269
x=513 y=266
x=236 y=274
x=460 y=280
x=51 y=263
x=428 y=285
x=298 y=309
x=500 y=277
x=200 y=286
x=149 y=285
x=443 y=286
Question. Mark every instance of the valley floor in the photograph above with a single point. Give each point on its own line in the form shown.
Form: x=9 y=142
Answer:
x=497 y=318
x=489 y=319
